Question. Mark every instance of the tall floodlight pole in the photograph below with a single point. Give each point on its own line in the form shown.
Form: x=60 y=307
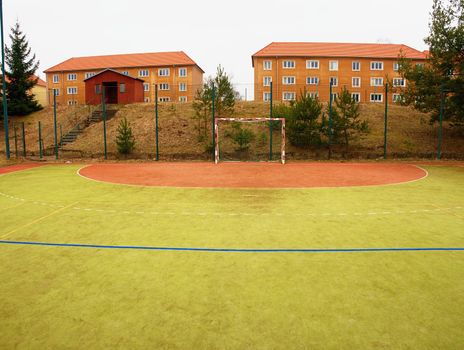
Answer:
x=5 y=106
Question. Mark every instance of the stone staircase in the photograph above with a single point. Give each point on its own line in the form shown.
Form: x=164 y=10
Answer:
x=95 y=117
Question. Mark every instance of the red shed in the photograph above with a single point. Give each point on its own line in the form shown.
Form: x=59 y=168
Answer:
x=119 y=88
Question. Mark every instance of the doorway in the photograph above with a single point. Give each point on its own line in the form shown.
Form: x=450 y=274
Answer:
x=111 y=92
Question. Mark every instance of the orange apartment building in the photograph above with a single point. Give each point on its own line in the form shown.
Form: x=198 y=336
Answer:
x=176 y=74
x=363 y=69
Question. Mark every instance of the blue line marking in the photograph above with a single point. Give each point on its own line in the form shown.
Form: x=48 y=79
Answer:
x=235 y=250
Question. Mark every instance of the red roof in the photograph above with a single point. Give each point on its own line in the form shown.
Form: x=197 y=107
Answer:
x=155 y=59
x=41 y=82
x=296 y=49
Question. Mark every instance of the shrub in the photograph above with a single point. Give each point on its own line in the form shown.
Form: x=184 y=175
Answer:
x=125 y=140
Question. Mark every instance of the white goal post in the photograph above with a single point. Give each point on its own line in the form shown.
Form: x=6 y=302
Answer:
x=248 y=120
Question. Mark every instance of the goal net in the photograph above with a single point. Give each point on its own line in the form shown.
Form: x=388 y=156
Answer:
x=261 y=139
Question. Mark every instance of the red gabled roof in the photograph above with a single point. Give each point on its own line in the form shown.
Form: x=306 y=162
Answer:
x=154 y=59
x=114 y=71
x=306 y=49
x=41 y=82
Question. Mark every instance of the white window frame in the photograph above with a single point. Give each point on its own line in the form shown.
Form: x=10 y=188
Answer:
x=359 y=66
x=358 y=94
x=146 y=99
x=164 y=87
x=267 y=65
x=164 y=99
x=376 y=81
x=312 y=64
x=56 y=78
x=332 y=79
x=183 y=72
x=289 y=80
x=397 y=98
x=312 y=80
x=314 y=94
x=144 y=73
x=376 y=65
x=333 y=65
x=125 y=72
x=182 y=99
x=89 y=75
x=72 y=102
x=146 y=87
x=396 y=66
x=71 y=90
x=182 y=86
x=395 y=80
x=72 y=76
x=266 y=96
x=267 y=80
x=56 y=91
x=164 y=72
x=375 y=100
x=334 y=96
x=286 y=94
x=358 y=79
x=288 y=64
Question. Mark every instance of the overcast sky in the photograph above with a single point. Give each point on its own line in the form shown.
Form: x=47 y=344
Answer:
x=210 y=32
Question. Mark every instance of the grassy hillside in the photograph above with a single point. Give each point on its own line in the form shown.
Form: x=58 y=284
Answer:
x=410 y=134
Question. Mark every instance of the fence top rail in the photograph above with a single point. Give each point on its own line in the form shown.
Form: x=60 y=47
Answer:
x=249 y=120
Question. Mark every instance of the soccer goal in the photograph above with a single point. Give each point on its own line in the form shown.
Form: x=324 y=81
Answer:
x=218 y=121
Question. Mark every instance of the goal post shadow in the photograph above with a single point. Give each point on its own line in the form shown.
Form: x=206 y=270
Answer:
x=248 y=120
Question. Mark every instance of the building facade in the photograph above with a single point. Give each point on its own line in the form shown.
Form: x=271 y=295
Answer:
x=176 y=75
x=364 y=69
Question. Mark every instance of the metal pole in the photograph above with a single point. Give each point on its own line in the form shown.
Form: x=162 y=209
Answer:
x=61 y=134
x=385 y=131
x=15 y=140
x=54 y=124
x=330 y=121
x=104 y=120
x=24 y=140
x=156 y=121
x=40 y=141
x=5 y=103
x=213 y=96
x=440 y=127
x=270 y=122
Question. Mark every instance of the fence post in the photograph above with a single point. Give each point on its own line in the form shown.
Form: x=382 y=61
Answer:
x=40 y=141
x=15 y=140
x=330 y=121
x=213 y=96
x=270 y=123
x=5 y=102
x=24 y=139
x=156 y=121
x=54 y=125
x=104 y=120
x=440 y=127
x=61 y=134
x=385 y=131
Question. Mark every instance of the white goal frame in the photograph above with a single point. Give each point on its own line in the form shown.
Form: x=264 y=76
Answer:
x=248 y=120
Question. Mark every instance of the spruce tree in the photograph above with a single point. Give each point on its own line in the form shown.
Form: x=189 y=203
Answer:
x=20 y=73
x=125 y=140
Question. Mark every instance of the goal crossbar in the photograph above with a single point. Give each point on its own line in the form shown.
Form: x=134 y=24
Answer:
x=248 y=120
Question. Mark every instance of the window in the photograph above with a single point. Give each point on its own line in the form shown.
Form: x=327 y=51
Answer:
x=163 y=72
x=125 y=72
x=98 y=89
x=288 y=80
x=399 y=82
x=146 y=87
x=56 y=92
x=182 y=72
x=182 y=87
x=420 y=65
x=377 y=98
x=72 y=102
x=182 y=98
x=334 y=96
x=333 y=65
x=72 y=90
x=89 y=75
x=56 y=78
x=396 y=66
x=144 y=73
x=312 y=80
x=314 y=94
x=266 y=96
x=164 y=86
x=334 y=81
x=72 y=76
x=397 y=98
x=288 y=64
x=356 y=82
x=312 y=64
x=356 y=96
x=376 y=65
x=288 y=96
x=356 y=66
x=376 y=81
x=164 y=99
x=267 y=81
x=122 y=88
x=146 y=99
x=267 y=65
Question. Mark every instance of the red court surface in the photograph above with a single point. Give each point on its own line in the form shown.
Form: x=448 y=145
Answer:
x=18 y=167
x=254 y=175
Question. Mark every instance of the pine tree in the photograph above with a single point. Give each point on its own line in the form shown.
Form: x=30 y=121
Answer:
x=20 y=74
x=125 y=140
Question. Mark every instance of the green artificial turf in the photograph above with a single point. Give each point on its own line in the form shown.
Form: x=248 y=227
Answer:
x=73 y=298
